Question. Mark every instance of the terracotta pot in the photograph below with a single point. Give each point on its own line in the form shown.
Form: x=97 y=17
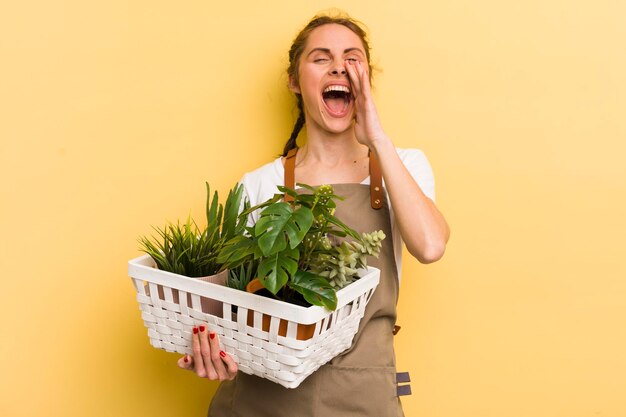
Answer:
x=208 y=305
x=303 y=332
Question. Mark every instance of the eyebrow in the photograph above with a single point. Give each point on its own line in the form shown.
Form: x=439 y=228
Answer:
x=326 y=50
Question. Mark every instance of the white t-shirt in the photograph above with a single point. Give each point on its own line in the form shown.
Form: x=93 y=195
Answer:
x=260 y=185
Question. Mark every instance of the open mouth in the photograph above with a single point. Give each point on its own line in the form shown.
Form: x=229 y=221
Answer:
x=337 y=99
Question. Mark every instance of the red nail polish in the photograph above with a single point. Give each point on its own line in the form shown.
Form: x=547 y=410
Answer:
x=222 y=354
x=186 y=360
x=212 y=335
x=201 y=328
x=195 y=330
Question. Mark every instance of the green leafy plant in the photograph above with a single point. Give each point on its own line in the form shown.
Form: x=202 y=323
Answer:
x=239 y=277
x=188 y=250
x=302 y=247
x=340 y=264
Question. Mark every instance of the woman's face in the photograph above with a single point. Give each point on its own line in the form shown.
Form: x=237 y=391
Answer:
x=323 y=80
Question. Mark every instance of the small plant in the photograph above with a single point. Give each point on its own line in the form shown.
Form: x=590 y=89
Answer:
x=185 y=249
x=239 y=277
x=301 y=247
x=340 y=263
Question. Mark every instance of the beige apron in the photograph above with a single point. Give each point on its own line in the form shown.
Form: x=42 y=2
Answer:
x=362 y=380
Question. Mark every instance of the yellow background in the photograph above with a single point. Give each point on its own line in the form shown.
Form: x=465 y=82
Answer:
x=113 y=114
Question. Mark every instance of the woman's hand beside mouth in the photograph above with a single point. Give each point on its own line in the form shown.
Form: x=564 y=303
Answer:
x=367 y=127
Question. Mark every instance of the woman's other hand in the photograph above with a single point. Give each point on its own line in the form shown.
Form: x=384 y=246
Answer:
x=425 y=234
x=208 y=360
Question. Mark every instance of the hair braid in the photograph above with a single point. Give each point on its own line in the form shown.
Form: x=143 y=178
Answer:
x=291 y=143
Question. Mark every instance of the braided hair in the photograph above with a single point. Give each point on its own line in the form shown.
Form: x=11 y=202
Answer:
x=291 y=143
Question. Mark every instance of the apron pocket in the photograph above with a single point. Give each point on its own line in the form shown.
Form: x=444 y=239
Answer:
x=355 y=391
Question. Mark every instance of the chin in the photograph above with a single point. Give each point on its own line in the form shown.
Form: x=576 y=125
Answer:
x=337 y=127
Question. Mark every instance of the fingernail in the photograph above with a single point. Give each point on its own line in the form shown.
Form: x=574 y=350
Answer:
x=186 y=360
x=212 y=335
x=195 y=330
x=222 y=354
x=201 y=328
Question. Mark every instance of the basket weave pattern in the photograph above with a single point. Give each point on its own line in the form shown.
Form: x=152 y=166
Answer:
x=171 y=307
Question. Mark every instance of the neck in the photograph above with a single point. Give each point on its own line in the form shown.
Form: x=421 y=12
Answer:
x=332 y=149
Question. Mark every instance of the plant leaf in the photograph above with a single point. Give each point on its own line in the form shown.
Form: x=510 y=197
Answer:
x=288 y=191
x=279 y=223
x=213 y=221
x=347 y=229
x=274 y=199
x=274 y=271
x=230 y=224
x=307 y=186
x=235 y=251
x=315 y=289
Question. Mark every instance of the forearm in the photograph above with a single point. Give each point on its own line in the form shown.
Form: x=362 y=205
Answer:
x=423 y=228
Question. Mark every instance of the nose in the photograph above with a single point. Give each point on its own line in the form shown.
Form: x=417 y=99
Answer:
x=339 y=69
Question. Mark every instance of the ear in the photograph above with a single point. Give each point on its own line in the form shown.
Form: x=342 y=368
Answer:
x=293 y=85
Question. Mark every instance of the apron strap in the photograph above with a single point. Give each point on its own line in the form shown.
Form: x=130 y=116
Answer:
x=376 y=183
x=376 y=178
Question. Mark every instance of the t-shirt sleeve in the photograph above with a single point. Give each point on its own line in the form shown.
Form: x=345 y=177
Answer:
x=261 y=185
x=249 y=196
x=418 y=166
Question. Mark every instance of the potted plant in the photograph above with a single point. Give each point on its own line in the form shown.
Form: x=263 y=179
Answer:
x=188 y=250
x=301 y=251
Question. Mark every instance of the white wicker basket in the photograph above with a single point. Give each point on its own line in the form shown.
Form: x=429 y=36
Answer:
x=171 y=307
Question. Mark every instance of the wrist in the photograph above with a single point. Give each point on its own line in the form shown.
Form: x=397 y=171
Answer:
x=381 y=145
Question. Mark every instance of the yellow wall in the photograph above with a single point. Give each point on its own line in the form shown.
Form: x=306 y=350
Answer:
x=113 y=114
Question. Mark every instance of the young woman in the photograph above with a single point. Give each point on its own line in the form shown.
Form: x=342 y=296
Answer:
x=384 y=188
